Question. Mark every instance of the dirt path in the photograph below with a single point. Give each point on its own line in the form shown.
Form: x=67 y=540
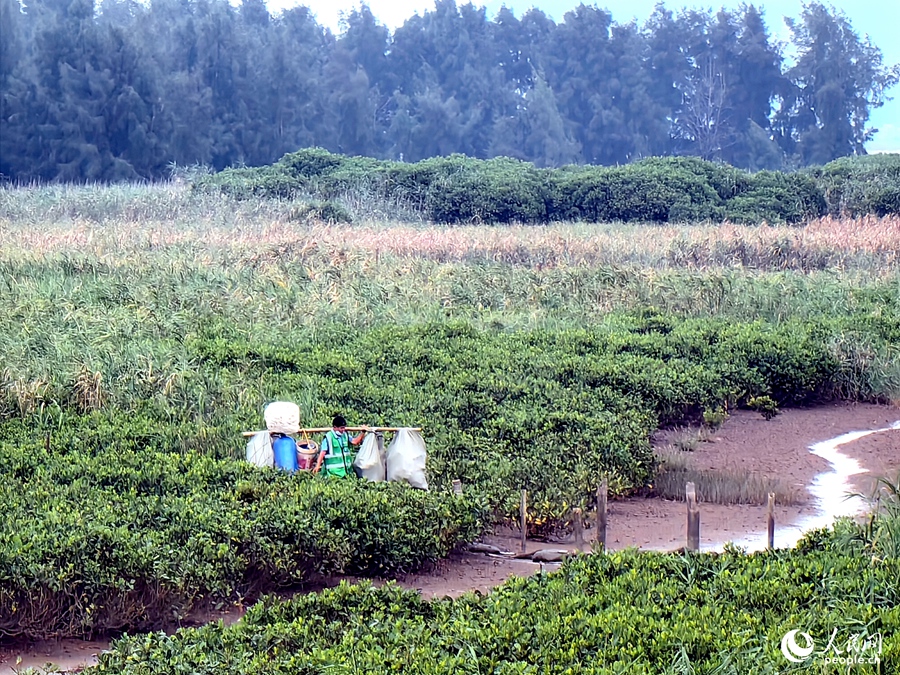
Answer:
x=778 y=447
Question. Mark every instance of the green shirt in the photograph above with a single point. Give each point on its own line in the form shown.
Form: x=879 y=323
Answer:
x=338 y=455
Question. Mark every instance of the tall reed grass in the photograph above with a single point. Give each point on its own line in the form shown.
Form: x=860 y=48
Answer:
x=57 y=218
x=100 y=286
x=879 y=536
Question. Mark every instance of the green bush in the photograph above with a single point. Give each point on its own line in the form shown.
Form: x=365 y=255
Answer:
x=459 y=189
x=765 y=405
x=857 y=186
x=643 y=192
x=329 y=212
x=628 y=612
x=124 y=535
x=134 y=511
x=502 y=409
x=777 y=197
x=494 y=191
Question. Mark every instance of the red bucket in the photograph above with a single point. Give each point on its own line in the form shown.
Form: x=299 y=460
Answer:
x=306 y=455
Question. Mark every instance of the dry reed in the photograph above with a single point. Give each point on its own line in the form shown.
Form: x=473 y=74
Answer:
x=822 y=244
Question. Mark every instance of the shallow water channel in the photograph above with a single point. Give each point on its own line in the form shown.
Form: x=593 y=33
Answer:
x=831 y=491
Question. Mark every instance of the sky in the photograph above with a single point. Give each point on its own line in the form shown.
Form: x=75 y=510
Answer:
x=879 y=19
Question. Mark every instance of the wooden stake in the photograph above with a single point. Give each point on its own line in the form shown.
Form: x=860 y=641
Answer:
x=578 y=527
x=602 y=494
x=693 y=518
x=523 y=515
x=457 y=487
x=770 y=521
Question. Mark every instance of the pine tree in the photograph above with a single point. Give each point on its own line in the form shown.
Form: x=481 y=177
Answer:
x=537 y=132
x=837 y=79
x=14 y=90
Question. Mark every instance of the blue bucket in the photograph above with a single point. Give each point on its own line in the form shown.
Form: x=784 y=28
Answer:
x=285 y=449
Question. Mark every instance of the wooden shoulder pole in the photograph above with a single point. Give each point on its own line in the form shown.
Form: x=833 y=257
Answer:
x=323 y=430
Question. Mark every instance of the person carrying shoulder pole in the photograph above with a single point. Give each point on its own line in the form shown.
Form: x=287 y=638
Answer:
x=336 y=456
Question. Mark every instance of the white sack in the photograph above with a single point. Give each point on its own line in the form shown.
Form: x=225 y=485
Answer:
x=282 y=417
x=406 y=459
x=259 y=450
x=369 y=460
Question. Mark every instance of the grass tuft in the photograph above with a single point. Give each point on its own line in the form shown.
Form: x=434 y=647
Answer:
x=721 y=486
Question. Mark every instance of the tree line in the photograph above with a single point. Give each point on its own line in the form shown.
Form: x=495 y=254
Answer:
x=121 y=89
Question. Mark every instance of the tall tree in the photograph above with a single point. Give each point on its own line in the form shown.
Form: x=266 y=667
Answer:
x=639 y=124
x=757 y=80
x=447 y=66
x=136 y=126
x=12 y=46
x=218 y=61
x=668 y=62
x=255 y=135
x=119 y=89
x=704 y=122
x=537 y=132
x=295 y=101
x=726 y=91
x=836 y=81
x=14 y=89
x=350 y=127
x=580 y=70
x=757 y=77
x=91 y=107
x=367 y=41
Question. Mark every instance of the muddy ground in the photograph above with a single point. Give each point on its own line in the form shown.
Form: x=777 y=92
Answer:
x=747 y=442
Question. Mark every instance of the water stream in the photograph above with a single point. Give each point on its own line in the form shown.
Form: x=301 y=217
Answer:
x=830 y=491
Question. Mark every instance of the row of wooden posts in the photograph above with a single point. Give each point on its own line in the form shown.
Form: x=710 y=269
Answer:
x=693 y=517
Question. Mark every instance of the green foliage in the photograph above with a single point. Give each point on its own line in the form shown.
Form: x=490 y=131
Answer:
x=715 y=418
x=777 y=197
x=328 y=212
x=649 y=191
x=142 y=516
x=119 y=91
x=861 y=185
x=628 y=612
x=447 y=189
x=113 y=531
x=459 y=189
x=544 y=410
x=838 y=78
x=143 y=354
x=765 y=405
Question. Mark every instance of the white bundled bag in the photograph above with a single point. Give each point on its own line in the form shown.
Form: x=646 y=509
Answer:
x=259 y=450
x=406 y=459
x=282 y=417
x=369 y=460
